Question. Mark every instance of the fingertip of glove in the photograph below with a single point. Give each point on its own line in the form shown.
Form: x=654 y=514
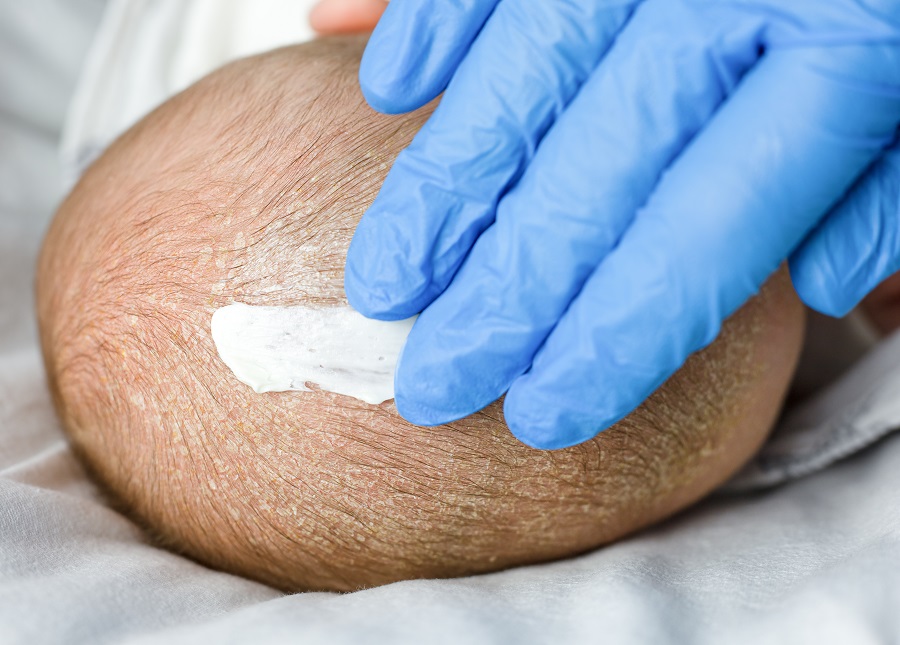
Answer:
x=384 y=90
x=818 y=290
x=537 y=426
x=396 y=293
x=382 y=301
x=381 y=97
x=409 y=407
x=373 y=303
x=429 y=391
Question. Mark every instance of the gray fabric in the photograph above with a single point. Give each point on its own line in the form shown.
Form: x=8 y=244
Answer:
x=812 y=561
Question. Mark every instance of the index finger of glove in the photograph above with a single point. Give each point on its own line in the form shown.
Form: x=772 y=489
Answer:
x=415 y=49
x=521 y=73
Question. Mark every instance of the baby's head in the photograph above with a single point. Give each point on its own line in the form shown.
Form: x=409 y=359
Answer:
x=247 y=187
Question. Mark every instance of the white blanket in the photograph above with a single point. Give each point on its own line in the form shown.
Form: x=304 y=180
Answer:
x=812 y=561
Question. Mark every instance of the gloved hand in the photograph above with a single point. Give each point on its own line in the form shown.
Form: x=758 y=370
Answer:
x=605 y=181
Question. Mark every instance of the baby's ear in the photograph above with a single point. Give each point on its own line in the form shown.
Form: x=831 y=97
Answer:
x=333 y=17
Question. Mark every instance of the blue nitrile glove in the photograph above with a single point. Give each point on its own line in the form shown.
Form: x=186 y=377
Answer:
x=605 y=181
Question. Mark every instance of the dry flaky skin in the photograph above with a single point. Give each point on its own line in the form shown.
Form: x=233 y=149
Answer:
x=247 y=187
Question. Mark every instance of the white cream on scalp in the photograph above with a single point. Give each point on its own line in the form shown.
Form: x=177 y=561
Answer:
x=276 y=349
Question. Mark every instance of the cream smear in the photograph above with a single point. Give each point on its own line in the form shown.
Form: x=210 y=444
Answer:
x=276 y=349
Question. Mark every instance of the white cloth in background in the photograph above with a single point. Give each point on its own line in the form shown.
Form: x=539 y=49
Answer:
x=813 y=561
x=147 y=50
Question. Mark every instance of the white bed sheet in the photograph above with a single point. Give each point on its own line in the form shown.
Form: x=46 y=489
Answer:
x=814 y=561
